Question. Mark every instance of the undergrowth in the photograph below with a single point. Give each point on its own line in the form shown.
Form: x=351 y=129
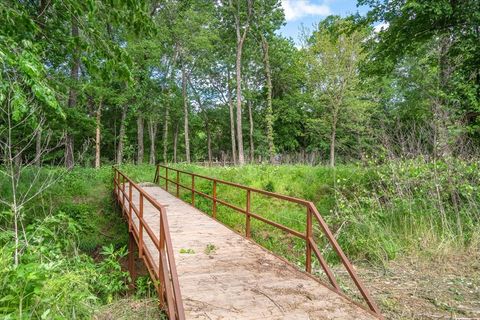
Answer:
x=70 y=250
x=73 y=239
x=376 y=211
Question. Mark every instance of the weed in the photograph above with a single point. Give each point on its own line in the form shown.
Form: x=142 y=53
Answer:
x=210 y=249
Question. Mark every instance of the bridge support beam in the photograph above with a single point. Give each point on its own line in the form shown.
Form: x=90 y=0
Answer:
x=132 y=269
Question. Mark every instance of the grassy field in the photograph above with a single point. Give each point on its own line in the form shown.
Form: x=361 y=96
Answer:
x=408 y=227
x=395 y=222
x=73 y=248
x=377 y=212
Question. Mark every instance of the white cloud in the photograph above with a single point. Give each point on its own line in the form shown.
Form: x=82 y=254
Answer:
x=381 y=27
x=296 y=9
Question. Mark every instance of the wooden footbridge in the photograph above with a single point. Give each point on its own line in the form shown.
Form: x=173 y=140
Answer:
x=202 y=269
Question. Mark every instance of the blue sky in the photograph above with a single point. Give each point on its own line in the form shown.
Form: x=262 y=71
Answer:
x=310 y=12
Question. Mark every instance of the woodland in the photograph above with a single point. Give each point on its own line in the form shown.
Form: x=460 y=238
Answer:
x=374 y=117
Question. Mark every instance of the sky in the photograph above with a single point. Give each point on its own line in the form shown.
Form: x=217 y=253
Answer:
x=310 y=12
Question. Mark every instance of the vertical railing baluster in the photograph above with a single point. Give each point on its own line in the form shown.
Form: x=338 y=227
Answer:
x=140 y=231
x=124 y=211
x=214 y=211
x=161 y=277
x=166 y=178
x=155 y=179
x=178 y=183
x=193 y=190
x=308 y=248
x=247 y=218
x=130 y=200
x=115 y=182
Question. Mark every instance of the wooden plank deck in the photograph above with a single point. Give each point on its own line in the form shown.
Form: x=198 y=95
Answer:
x=239 y=279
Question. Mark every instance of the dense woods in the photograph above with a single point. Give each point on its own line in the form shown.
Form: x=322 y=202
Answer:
x=385 y=105
x=182 y=81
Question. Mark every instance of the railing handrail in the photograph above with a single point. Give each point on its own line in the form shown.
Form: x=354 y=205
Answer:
x=312 y=211
x=166 y=281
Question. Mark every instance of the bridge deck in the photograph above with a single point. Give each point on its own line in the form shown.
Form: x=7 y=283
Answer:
x=237 y=279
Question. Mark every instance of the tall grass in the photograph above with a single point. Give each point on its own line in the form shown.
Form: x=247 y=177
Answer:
x=377 y=212
x=70 y=248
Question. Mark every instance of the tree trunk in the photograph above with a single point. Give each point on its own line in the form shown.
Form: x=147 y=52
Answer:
x=250 y=119
x=209 y=142
x=38 y=146
x=72 y=96
x=269 y=115
x=442 y=120
x=121 y=136
x=165 y=135
x=152 y=133
x=241 y=35
x=232 y=120
x=185 y=111
x=241 y=157
x=140 y=150
x=175 y=143
x=98 y=135
x=332 y=140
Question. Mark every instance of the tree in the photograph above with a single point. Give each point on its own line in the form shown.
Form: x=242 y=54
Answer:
x=334 y=56
x=449 y=29
x=242 y=14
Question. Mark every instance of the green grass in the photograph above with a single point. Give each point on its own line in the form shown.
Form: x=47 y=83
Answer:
x=71 y=248
x=377 y=212
x=74 y=237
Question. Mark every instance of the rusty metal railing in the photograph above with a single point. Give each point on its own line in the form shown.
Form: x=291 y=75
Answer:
x=164 y=272
x=312 y=215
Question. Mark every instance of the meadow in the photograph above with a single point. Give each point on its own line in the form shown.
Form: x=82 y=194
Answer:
x=74 y=240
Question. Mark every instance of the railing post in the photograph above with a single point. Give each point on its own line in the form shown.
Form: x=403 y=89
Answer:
x=247 y=218
x=161 y=242
x=131 y=260
x=115 y=182
x=308 y=251
x=124 y=196
x=214 y=211
x=155 y=179
x=193 y=190
x=140 y=224
x=166 y=178
x=130 y=218
x=178 y=183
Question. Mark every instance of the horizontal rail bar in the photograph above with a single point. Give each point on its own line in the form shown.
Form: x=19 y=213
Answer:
x=168 y=288
x=240 y=186
x=308 y=236
x=279 y=226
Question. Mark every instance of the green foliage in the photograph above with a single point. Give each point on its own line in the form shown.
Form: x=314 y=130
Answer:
x=71 y=251
x=187 y=251
x=377 y=211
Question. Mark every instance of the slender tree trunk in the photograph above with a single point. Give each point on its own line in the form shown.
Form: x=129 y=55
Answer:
x=241 y=35
x=241 y=156
x=209 y=142
x=232 y=120
x=72 y=97
x=38 y=146
x=165 y=135
x=140 y=150
x=152 y=133
x=250 y=119
x=442 y=118
x=175 y=143
x=185 y=110
x=332 y=139
x=98 y=135
x=269 y=115
x=121 y=136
